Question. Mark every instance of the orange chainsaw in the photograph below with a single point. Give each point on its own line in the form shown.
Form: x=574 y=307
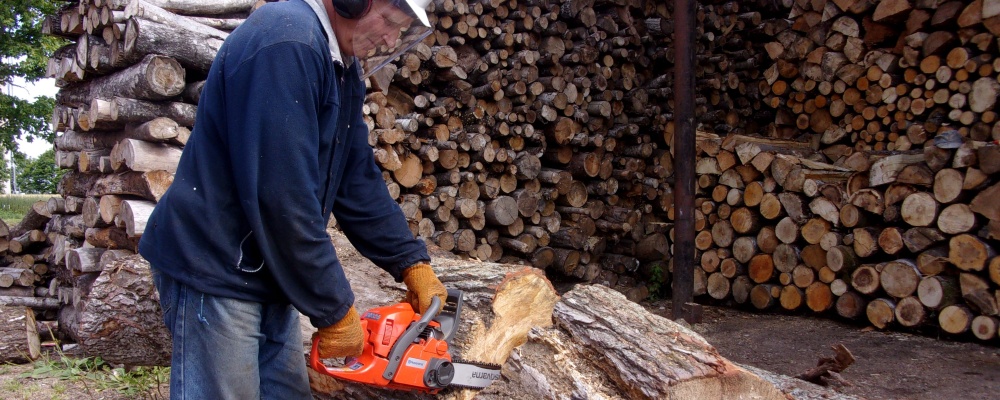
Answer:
x=408 y=351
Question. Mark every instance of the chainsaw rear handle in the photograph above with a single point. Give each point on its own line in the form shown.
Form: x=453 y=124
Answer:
x=410 y=336
x=314 y=360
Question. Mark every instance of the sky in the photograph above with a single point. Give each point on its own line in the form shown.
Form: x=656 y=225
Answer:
x=29 y=91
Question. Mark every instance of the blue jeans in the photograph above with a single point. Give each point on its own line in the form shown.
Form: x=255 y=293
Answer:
x=231 y=349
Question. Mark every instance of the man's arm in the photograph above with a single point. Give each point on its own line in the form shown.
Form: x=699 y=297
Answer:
x=369 y=217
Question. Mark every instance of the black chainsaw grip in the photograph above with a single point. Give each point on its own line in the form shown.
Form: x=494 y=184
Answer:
x=409 y=336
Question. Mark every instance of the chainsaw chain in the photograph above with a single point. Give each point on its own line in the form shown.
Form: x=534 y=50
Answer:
x=492 y=366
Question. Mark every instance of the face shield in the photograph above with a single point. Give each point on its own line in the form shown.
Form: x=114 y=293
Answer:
x=389 y=29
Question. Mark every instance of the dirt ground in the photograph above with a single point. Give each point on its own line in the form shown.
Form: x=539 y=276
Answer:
x=890 y=365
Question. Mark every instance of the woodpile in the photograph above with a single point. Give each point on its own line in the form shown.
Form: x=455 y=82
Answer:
x=896 y=99
x=793 y=232
x=846 y=164
x=546 y=135
x=129 y=84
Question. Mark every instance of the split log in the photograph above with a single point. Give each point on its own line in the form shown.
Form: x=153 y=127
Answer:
x=142 y=156
x=821 y=373
x=19 y=342
x=147 y=185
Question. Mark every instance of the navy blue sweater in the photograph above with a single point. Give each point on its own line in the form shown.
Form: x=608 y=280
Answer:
x=279 y=144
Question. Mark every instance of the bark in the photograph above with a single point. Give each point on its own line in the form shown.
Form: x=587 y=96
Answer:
x=19 y=342
x=155 y=77
x=122 y=307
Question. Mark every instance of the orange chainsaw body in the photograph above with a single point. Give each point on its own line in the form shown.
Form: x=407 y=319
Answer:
x=382 y=328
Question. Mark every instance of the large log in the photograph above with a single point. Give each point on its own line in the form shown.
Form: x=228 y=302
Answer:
x=513 y=317
x=662 y=360
x=143 y=156
x=195 y=7
x=147 y=185
x=192 y=49
x=155 y=77
x=120 y=320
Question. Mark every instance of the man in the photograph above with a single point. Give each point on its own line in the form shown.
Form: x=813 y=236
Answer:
x=239 y=241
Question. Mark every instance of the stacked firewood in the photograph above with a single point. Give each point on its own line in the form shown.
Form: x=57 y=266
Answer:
x=129 y=83
x=882 y=242
x=886 y=75
x=29 y=290
x=547 y=138
x=540 y=132
x=524 y=132
x=898 y=96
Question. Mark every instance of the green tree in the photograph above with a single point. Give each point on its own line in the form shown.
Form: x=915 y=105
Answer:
x=38 y=175
x=24 y=53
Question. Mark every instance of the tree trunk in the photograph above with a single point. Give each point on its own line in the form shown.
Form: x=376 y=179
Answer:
x=122 y=308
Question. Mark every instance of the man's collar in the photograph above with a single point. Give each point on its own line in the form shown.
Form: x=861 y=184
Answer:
x=324 y=18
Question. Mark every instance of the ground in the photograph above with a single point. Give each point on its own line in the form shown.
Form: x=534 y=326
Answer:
x=890 y=365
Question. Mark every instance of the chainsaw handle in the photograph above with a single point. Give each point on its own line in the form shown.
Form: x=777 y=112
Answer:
x=409 y=336
x=314 y=360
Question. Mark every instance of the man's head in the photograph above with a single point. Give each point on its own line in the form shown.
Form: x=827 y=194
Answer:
x=366 y=26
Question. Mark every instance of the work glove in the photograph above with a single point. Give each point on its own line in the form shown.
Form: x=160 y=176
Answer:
x=422 y=286
x=342 y=339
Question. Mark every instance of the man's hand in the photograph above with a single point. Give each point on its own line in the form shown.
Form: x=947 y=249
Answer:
x=422 y=285
x=342 y=339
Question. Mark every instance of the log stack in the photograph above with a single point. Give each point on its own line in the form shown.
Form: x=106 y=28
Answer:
x=877 y=244
x=899 y=97
x=129 y=83
x=536 y=131
x=539 y=132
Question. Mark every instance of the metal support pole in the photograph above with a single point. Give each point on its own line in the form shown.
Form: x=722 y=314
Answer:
x=682 y=286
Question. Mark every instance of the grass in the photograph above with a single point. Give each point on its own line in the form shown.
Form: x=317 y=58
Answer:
x=97 y=376
x=13 y=207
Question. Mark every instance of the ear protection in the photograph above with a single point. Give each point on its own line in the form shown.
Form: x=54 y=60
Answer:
x=352 y=9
